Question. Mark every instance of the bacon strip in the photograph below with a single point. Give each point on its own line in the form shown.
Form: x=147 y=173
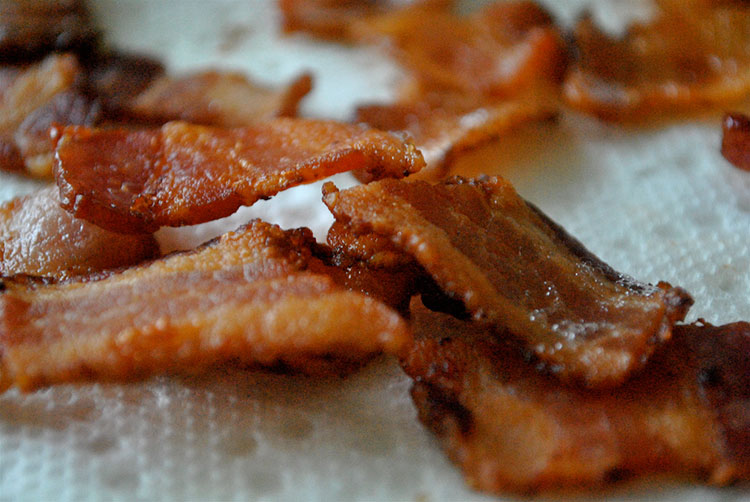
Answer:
x=511 y=428
x=247 y=297
x=474 y=78
x=39 y=238
x=511 y=265
x=181 y=174
x=216 y=98
x=689 y=56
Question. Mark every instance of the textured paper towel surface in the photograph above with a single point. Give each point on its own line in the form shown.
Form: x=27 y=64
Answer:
x=659 y=204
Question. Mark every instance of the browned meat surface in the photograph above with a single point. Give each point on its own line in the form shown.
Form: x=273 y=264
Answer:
x=250 y=297
x=39 y=238
x=512 y=266
x=691 y=55
x=509 y=427
x=136 y=181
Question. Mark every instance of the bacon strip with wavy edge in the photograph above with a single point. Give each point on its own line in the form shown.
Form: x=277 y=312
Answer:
x=218 y=98
x=182 y=174
x=256 y=295
x=510 y=427
x=511 y=265
x=735 y=140
x=693 y=54
x=39 y=238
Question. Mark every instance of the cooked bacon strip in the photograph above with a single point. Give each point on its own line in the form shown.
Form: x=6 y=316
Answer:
x=337 y=19
x=474 y=78
x=735 y=142
x=181 y=174
x=510 y=427
x=39 y=238
x=501 y=50
x=689 y=56
x=226 y=99
x=32 y=28
x=443 y=126
x=245 y=298
x=31 y=99
x=511 y=265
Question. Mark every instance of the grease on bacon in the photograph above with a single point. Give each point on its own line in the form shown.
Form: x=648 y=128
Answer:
x=511 y=265
x=181 y=174
x=39 y=238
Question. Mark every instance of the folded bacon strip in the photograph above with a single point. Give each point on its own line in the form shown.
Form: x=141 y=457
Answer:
x=337 y=19
x=511 y=265
x=33 y=28
x=39 y=238
x=226 y=99
x=735 y=141
x=511 y=428
x=691 y=55
x=251 y=296
x=181 y=174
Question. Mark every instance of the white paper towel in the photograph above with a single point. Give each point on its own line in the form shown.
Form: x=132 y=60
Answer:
x=658 y=203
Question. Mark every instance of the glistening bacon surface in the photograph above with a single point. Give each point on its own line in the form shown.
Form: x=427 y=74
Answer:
x=511 y=428
x=247 y=297
x=691 y=55
x=509 y=264
x=226 y=99
x=39 y=238
x=181 y=174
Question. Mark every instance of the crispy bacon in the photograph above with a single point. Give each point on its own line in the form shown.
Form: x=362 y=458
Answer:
x=735 y=142
x=39 y=238
x=136 y=181
x=336 y=19
x=511 y=428
x=226 y=99
x=249 y=297
x=511 y=265
x=31 y=99
x=32 y=28
x=689 y=56
x=443 y=126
